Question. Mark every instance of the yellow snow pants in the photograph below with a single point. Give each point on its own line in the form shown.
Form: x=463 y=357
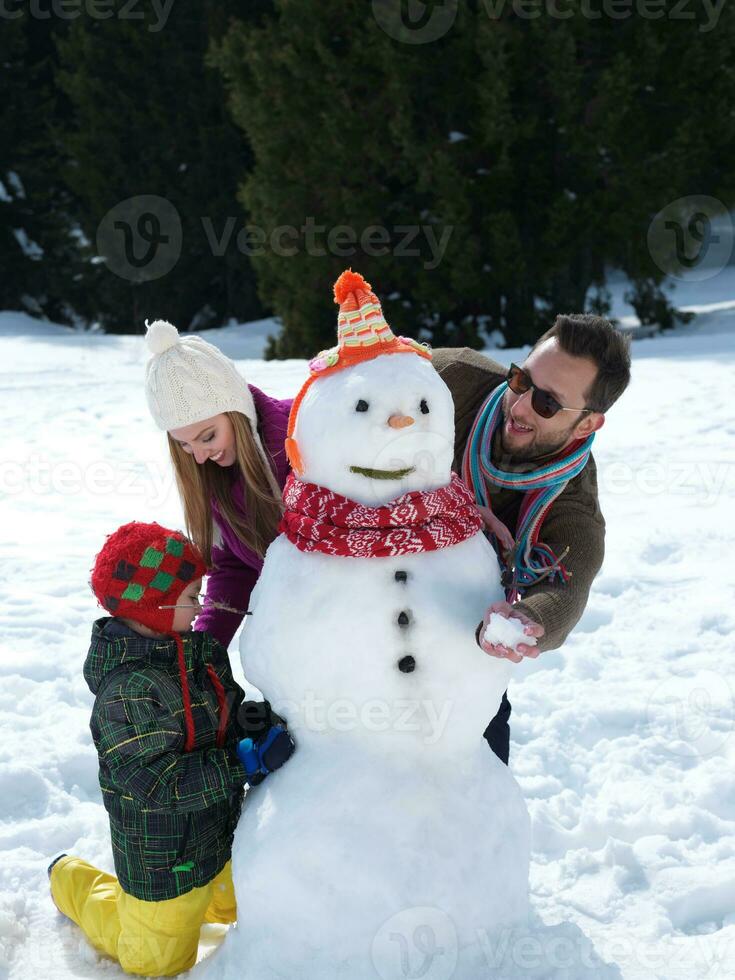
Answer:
x=150 y=939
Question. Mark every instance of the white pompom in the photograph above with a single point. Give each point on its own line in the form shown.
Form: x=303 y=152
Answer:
x=161 y=335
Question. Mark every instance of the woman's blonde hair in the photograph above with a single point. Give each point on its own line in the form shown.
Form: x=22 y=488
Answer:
x=199 y=484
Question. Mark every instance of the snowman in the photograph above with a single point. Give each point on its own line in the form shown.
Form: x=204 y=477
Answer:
x=394 y=840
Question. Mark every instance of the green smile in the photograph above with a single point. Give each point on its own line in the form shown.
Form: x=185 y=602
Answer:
x=382 y=474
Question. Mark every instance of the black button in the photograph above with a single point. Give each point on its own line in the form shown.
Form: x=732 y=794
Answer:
x=407 y=664
x=403 y=619
x=401 y=576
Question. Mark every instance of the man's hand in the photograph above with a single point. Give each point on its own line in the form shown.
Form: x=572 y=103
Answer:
x=498 y=649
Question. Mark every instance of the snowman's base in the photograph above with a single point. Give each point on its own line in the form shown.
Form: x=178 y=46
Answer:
x=376 y=874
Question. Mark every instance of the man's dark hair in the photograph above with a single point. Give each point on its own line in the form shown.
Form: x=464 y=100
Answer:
x=586 y=335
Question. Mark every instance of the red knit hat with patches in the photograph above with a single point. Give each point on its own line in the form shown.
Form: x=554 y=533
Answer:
x=144 y=566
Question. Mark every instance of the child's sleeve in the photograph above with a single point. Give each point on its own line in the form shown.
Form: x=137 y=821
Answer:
x=141 y=747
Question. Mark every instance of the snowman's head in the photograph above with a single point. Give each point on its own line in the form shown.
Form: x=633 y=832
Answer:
x=374 y=420
x=378 y=430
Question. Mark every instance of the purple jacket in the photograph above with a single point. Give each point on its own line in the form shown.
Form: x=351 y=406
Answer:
x=235 y=567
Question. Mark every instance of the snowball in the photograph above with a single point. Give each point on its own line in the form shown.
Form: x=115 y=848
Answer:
x=161 y=335
x=509 y=632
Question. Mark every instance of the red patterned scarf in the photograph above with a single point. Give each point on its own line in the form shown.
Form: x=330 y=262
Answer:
x=317 y=519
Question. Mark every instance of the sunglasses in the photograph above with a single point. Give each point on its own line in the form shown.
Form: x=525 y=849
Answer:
x=542 y=402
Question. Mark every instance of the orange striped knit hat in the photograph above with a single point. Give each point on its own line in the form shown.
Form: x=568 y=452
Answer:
x=362 y=334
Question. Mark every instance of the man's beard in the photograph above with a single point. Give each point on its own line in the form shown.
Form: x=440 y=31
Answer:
x=537 y=449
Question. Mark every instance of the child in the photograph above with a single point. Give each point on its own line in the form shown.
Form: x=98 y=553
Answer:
x=165 y=724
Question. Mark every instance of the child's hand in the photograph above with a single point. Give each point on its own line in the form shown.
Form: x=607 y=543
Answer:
x=269 y=753
x=256 y=718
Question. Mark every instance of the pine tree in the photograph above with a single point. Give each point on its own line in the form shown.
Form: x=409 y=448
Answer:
x=16 y=263
x=544 y=147
x=307 y=85
x=150 y=126
x=663 y=115
x=37 y=254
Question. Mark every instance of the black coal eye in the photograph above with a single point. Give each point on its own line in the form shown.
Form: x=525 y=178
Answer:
x=362 y=406
x=424 y=407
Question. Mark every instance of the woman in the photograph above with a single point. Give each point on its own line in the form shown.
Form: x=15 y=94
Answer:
x=226 y=440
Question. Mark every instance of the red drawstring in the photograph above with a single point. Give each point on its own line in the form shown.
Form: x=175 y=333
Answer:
x=222 y=702
x=186 y=696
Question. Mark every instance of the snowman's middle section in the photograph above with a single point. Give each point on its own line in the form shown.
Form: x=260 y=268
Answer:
x=377 y=648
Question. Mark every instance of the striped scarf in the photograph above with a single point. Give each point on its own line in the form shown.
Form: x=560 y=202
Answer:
x=530 y=561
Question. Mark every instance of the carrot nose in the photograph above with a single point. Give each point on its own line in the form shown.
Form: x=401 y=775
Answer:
x=400 y=421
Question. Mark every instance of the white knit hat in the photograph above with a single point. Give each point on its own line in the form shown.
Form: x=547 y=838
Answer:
x=188 y=380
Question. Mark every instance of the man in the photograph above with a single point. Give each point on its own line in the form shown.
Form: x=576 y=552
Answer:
x=529 y=444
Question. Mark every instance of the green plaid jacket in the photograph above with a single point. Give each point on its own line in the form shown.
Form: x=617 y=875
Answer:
x=172 y=814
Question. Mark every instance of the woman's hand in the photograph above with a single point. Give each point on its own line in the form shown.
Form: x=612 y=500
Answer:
x=497 y=527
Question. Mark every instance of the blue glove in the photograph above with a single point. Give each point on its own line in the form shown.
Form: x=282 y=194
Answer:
x=268 y=753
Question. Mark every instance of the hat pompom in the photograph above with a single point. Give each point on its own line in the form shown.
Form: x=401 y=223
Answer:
x=349 y=282
x=161 y=335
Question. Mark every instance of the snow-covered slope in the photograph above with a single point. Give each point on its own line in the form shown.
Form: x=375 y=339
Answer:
x=622 y=741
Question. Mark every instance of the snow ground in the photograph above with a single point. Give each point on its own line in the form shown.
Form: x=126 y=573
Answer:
x=622 y=741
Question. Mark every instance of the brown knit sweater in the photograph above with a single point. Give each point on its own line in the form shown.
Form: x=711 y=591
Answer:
x=574 y=519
